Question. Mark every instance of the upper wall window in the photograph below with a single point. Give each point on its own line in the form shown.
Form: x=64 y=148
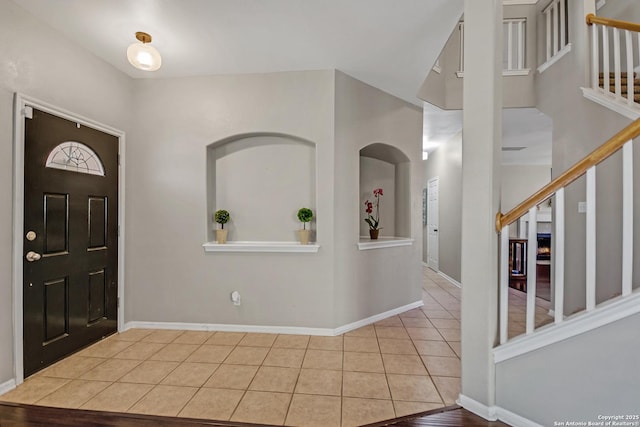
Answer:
x=75 y=157
x=513 y=50
x=556 y=34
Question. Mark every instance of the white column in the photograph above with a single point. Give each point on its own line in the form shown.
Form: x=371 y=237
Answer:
x=481 y=157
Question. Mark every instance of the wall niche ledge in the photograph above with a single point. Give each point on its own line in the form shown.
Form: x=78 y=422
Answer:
x=366 y=243
x=282 y=247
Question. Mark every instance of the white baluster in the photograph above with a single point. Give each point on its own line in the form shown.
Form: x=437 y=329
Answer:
x=509 y=42
x=558 y=258
x=548 y=18
x=462 y=47
x=605 y=60
x=627 y=218
x=556 y=24
x=532 y=255
x=595 y=57
x=520 y=45
x=591 y=239
x=504 y=284
x=630 y=80
x=617 y=67
x=563 y=31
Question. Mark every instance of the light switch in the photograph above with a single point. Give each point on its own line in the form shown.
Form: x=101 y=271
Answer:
x=582 y=207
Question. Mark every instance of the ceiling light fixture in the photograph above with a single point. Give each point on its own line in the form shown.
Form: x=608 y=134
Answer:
x=142 y=55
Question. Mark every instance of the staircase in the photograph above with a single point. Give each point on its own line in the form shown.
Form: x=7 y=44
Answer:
x=574 y=362
x=615 y=52
x=624 y=87
x=623 y=141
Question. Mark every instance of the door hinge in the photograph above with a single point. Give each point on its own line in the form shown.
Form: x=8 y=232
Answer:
x=118 y=303
x=118 y=231
x=28 y=112
x=118 y=159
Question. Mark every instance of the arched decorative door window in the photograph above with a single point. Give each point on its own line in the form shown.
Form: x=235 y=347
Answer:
x=75 y=157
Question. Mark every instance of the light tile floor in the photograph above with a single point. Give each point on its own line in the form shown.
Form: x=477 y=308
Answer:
x=518 y=309
x=401 y=365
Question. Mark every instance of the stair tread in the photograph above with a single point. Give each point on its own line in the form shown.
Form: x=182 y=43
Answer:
x=613 y=74
x=624 y=81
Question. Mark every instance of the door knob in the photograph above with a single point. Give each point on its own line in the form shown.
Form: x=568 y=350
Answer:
x=33 y=256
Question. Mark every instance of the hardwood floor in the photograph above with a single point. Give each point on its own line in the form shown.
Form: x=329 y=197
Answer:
x=450 y=416
x=19 y=415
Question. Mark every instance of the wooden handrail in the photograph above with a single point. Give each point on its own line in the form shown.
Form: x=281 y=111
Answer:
x=574 y=172
x=623 y=25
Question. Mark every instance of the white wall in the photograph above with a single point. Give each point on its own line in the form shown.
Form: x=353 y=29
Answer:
x=262 y=181
x=168 y=216
x=591 y=374
x=520 y=182
x=446 y=164
x=169 y=278
x=369 y=282
x=39 y=62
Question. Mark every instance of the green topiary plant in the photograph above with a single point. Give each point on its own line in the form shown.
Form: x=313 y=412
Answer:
x=221 y=217
x=305 y=215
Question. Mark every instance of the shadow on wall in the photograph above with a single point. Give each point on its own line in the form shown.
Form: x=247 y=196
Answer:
x=262 y=180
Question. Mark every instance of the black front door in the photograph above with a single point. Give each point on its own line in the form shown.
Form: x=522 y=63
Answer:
x=70 y=235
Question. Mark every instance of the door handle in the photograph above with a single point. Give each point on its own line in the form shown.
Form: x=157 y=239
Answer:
x=33 y=256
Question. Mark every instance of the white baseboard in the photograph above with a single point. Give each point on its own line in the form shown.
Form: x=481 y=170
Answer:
x=7 y=386
x=229 y=328
x=376 y=318
x=494 y=413
x=512 y=419
x=480 y=409
x=294 y=330
x=450 y=279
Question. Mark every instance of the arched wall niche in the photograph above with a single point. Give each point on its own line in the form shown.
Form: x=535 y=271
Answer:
x=262 y=179
x=387 y=167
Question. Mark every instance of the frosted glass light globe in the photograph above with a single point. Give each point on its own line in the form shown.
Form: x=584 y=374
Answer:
x=144 y=57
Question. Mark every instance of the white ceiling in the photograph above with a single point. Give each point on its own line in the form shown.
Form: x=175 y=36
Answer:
x=390 y=44
x=521 y=127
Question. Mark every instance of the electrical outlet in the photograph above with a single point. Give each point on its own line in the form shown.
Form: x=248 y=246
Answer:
x=235 y=298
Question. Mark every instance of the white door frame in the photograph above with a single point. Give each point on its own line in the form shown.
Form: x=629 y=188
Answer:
x=436 y=267
x=21 y=102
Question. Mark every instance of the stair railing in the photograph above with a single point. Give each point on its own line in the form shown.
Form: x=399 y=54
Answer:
x=622 y=140
x=604 y=31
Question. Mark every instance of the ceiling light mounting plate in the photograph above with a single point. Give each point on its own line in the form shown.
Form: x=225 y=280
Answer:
x=143 y=37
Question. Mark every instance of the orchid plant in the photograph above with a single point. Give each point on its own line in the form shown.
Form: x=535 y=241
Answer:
x=373 y=222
